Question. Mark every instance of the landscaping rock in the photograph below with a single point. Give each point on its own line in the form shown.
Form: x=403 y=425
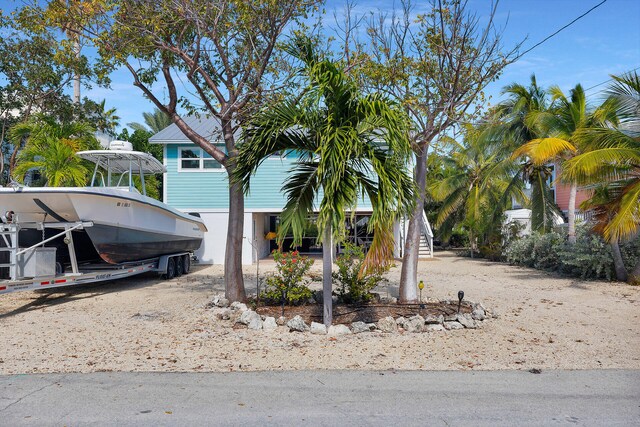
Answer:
x=339 y=330
x=453 y=325
x=224 y=314
x=451 y=317
x=441 y=319
x=432 y=320
x=318 y=328
x=400 y=321
x=248 y=316
x=478 y=314
x=269 y=323
x=255 y=324
x=434 y=328
x=388 y=300
x=372 y=326
x=297 y=325
x=240 y=306
x=388 y=324
x=466 y=321
x=280 y=321
x=414 y=324
x=221 y=302
x=359 y=327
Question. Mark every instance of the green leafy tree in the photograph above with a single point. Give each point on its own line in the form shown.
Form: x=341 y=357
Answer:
x=510 y=127
x=560 y=138
x=612 y=162
x=51 y=147
x=222 y=51
x=435 y=62
x=480 y=188
x=348 y=145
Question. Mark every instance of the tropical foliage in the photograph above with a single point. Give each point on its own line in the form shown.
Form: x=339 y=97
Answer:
x=50 y=148
x=482 y=183
x=354 y=285
x=348 y=146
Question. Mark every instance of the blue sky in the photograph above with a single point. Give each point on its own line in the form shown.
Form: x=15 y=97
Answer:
x=606 y=41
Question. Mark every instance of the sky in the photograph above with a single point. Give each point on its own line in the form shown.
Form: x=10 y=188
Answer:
x=604 y=42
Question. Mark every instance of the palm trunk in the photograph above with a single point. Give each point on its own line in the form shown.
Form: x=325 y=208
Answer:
x=571 y=214
x=233 y=280
x=327 y=261
x=409 y=274
x=621 y=271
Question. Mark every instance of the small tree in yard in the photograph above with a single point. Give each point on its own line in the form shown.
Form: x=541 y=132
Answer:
x=436 y=64
x=348 y=145
x=212 y=57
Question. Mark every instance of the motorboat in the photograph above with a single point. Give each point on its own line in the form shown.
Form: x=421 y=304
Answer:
x=111 y=219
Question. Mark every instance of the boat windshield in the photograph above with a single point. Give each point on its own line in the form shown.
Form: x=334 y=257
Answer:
x=121 y=167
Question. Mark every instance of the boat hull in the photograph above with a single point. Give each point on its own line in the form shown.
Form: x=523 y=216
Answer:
x=127 y=226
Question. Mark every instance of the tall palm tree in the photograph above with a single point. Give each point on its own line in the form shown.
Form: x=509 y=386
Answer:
x=50 y=148
x=512 y=129
x=561 y=125
x=348 y=145
x=155 y=122
x=612 y=161
x=481 y=187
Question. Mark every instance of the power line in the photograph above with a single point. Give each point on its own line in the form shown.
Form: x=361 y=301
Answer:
x=608 y=80
x=566 y=26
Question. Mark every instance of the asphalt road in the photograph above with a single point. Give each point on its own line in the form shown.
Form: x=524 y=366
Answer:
x=604 y=397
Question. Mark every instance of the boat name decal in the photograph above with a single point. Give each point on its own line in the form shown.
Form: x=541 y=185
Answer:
x=124 y=204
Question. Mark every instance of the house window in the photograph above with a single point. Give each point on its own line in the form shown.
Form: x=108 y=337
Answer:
x=193 y=159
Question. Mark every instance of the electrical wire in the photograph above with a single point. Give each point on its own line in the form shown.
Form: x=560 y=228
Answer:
x=566 y=26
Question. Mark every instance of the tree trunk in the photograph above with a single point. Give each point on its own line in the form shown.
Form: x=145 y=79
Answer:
x=233 y=280
x=409 y=274
x=621 y=271
x=327 y=262
x=76 y=77
x=571 y=214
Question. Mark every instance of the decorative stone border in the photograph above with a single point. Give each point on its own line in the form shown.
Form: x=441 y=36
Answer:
x=238 y=312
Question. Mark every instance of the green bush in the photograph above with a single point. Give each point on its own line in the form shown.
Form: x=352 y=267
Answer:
x=354 y=287
x=589 y=258
x=287 y=285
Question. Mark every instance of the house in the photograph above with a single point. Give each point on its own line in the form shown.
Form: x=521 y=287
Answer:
x=561 y=193
x=196 y=183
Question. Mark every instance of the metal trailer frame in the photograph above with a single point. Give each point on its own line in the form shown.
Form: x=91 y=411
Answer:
x=80 y=274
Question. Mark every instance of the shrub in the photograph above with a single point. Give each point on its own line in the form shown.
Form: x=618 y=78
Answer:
x=589 y=258
x=286 y=286
x=354 y=287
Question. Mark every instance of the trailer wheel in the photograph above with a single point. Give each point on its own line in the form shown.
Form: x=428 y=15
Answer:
x=186 y=264
x=179 y=266
x=171 y=269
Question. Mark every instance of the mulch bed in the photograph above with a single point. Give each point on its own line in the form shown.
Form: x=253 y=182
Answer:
x=368 y=313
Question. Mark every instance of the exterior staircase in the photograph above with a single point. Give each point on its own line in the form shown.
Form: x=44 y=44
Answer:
x=425 y=249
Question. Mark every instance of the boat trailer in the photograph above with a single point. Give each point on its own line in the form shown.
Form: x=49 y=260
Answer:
x=35 y=267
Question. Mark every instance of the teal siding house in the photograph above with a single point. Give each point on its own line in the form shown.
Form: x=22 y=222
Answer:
x=197 y=183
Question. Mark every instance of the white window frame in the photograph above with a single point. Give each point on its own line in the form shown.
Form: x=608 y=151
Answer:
x=200 y=152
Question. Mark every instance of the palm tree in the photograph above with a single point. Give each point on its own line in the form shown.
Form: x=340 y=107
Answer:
x=479 y=189
x=348 y=145
x=612 y=161
x=561 y=125
x=511 y=128
x=155 y=122
x=51 y=148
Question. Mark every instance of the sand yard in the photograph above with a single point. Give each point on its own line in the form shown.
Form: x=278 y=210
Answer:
x=147 y=324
